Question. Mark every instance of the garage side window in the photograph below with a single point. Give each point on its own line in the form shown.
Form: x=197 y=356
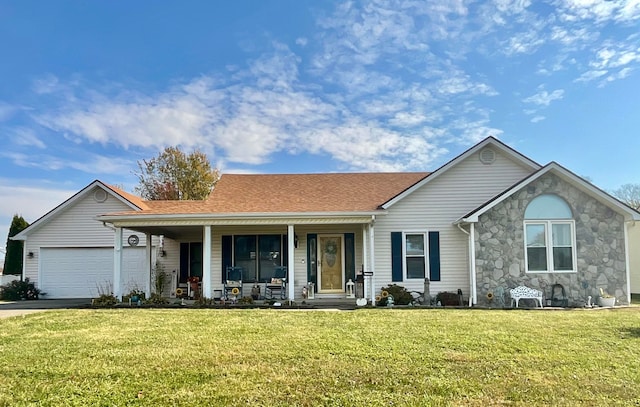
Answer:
x=549 y=235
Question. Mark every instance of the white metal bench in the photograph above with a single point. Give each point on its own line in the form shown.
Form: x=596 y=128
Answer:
x=522 y=292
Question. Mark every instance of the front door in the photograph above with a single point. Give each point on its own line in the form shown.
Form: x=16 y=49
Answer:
x=330 y=263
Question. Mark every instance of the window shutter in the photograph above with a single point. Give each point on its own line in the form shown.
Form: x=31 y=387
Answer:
x=227 y=255
x=312 y=253
x=434 y=256
x=350 y=257
x=284 y=242
x=396 y=256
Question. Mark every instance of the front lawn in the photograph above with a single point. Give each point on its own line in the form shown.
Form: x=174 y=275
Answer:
x=389 y=357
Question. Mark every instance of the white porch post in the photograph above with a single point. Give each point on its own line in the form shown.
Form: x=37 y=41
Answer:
x=365 y=260
x=373 y=261
x=472 y=263
x=206 y=263
x=117 y=264
x=290 y=260
x=148 y=267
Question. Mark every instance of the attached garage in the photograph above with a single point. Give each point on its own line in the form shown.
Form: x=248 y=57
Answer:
x=83 y=272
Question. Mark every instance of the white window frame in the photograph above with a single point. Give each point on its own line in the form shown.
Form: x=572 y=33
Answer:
x=425 y=242
x=548 y=229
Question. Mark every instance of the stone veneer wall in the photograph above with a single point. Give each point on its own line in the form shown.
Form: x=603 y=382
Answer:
x=500 y=262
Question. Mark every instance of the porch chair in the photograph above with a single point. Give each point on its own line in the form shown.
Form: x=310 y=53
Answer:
x=233 y=281
x=277 y=285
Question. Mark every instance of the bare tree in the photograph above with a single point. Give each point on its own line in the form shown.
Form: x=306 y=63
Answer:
x=629 y=194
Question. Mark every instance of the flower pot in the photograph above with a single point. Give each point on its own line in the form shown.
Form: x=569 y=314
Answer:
x=606 y=302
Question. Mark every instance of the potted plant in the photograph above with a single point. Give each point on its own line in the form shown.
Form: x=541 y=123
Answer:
x=136 y=296
x=606 y=299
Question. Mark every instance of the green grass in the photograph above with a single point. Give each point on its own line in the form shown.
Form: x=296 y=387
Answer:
x=152 y=357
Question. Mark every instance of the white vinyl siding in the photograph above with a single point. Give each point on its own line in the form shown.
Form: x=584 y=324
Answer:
x=435 y=206
x=76 y=226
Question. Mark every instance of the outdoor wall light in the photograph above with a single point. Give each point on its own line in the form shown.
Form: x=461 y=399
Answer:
x=295 y=241
x=30 y=255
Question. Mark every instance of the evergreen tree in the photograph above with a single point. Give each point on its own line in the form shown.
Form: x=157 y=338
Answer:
x=13 y=255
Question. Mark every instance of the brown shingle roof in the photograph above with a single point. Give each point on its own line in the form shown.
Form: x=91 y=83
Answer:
x=346 y=192
x=290 y=193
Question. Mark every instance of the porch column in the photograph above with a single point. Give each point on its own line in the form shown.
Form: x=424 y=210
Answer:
x=365 y=260
x=206 y=263
x=117 y=263
x=373 y=261
x=148 y=266
x=290 y=260
x=472 y=250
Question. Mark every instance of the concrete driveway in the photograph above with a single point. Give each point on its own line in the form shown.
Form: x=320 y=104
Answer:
x=17 y=308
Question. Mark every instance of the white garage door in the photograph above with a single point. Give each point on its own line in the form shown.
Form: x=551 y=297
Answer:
x=81 y=272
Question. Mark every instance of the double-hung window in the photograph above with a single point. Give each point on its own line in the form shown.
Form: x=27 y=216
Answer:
x=549 y=235
x=415 y=251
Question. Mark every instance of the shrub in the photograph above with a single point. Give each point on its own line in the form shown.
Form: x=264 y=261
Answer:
x=105 y=300
x=19 y=290
x=156 y=299
x=245 y=300
x=400 y=295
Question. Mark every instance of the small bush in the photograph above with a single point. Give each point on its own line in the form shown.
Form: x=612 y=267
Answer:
x=105 y=300
x=19 y=290
x=400 y=295
x=245 y=300
x=156 y=299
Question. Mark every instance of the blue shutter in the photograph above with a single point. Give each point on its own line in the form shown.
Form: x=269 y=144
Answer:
x=434 y=256
x=349 y=257
x=312 y=254
x=227 y=255
x=396 y=256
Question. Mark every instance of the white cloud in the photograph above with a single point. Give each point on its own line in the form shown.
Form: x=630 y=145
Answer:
x=599 y=11
x=27 y=137
x=591 y=75
x=88 y=163
x=537 y=119
x=544 y=98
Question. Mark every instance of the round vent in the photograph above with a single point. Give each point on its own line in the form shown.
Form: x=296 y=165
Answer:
x=100 y=195
x=487 y=156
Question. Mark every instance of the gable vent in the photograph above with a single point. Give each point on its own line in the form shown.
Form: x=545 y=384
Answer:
x=100 y=195
x=487 y=156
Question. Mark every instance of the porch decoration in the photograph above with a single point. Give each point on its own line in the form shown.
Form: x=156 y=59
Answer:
x=331 y=251
x=179 y=292
x=606 y=299
x=351 y=289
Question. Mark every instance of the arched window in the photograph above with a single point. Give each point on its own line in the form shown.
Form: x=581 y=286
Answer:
x=549 y=235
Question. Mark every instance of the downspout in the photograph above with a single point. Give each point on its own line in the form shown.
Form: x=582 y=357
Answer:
x=472 y=242
x=626 y=259
x=470 y=265
x=24 y=262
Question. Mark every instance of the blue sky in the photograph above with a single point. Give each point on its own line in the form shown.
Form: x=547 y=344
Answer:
x=289 y=86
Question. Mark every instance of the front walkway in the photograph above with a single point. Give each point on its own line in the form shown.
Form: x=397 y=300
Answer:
x=17 y=308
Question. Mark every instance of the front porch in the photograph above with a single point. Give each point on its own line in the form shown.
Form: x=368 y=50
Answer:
x=322 y=258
